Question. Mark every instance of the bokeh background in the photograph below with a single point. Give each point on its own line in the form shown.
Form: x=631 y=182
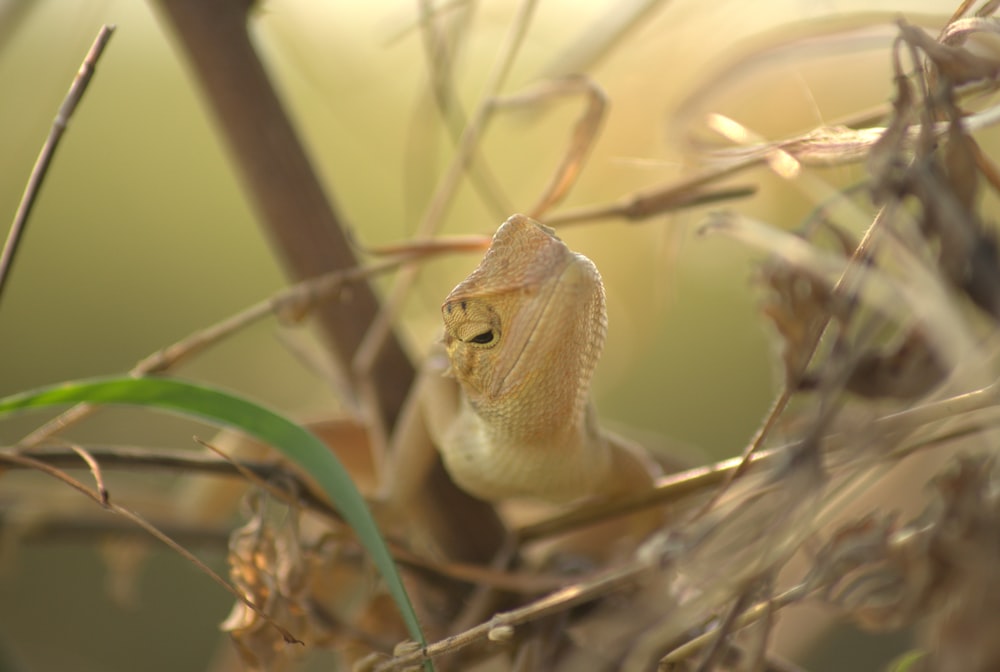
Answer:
x=142 y=236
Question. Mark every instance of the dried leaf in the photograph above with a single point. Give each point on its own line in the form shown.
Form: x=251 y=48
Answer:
x=958 y=64
x=799 y=308
x=909 y=371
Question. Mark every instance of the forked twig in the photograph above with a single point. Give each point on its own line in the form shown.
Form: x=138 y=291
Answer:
x=580 y=593
x=188 y=462
x=103 y=502
x=44 y=160
x=95 y=469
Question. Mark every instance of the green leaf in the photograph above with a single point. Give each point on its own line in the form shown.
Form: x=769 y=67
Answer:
x=906 y=661
x=226 y=410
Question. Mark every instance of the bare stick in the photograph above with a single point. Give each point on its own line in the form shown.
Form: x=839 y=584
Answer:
x=294 y=303
x=440 y=51
x=149 y=459
x=72 y=99
x=677 y=489
x=307 y=232
x=381 y=326
x=30 y=462
x=860 y=255
x=301 y=219
x=582 y=139
x=757 y=611
x=188 y=462
x=561 y=600
x=95 y=469
x=660 y=201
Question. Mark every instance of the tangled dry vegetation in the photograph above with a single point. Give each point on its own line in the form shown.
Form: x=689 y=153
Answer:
x=888 y=340
x=887 y=333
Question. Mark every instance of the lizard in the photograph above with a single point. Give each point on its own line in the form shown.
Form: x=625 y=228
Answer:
x=523 y=334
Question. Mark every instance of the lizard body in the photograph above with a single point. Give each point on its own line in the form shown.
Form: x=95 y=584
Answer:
x=523 y=333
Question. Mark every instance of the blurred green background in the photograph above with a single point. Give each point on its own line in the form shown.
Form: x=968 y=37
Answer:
x=142 y=236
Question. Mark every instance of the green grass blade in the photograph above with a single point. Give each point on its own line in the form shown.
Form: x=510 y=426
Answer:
x=906 y=661
x=226 y=410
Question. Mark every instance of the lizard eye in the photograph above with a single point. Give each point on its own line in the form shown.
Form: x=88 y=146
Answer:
x=485 y=338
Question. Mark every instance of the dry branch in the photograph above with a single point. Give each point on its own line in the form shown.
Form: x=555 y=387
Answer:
x=41 y=167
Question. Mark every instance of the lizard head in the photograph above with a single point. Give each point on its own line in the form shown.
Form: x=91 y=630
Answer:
x=528 y=321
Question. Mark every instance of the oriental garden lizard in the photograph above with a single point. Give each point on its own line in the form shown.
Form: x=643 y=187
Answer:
x=523 y=333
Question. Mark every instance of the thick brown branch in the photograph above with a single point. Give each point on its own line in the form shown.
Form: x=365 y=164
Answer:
x=301 y=221
x=279 y=180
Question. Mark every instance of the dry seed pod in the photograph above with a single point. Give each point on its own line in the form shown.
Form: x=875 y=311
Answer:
x=958 y=64
x=798 y=307
x=909 y=371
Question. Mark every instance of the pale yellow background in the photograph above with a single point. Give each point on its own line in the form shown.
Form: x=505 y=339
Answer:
x=142 y=235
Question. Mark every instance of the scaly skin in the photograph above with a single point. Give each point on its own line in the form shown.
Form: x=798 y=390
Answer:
x=523 y=333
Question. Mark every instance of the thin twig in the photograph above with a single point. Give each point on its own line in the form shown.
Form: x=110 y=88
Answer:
x=149 y=459
x=561 y=600
x=44 y=160
x=716 y=646
x=27 y=462
x=30 y=462
x=95 y=469
x=759 y=610
x=861 y=253
x=381 y=326
x=672 y=489
x=293 y=303
x=635 y=207
x=189 y=462
x=292 y=204
x=193 y=559
x=287 y=496
x=676 y=489
x=582 y=139
x=440 y=54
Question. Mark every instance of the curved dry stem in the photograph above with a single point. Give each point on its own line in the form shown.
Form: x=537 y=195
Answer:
x=188 y=462
x=582 y=139
x=678 y=489
x=755 y=612
x=95 y=469
x=844 y=286
x=381 y=327
x=102 y=500
x=293 y=304
x=678 y=195
x=44 y=160
x=440 y=48
x=561 y=600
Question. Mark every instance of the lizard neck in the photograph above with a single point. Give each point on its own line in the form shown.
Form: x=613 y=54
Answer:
x=493 y=463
